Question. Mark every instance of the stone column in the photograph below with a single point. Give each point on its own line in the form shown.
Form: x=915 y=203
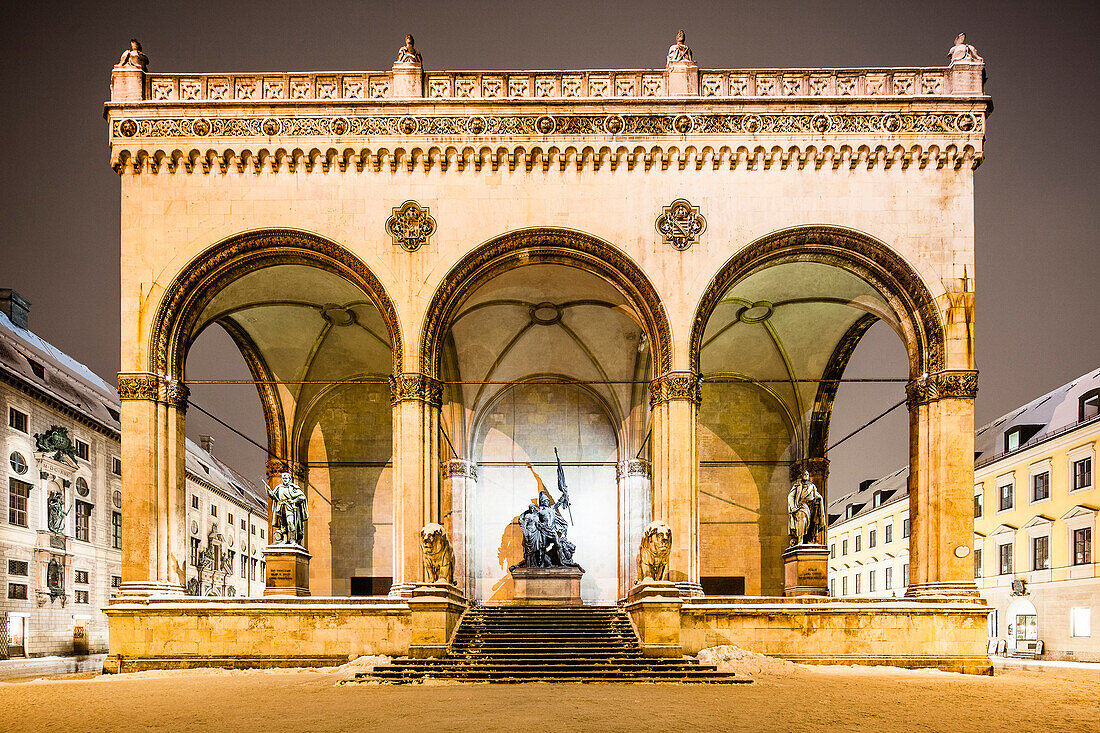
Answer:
x=635 y=513
x=154 y=547
x=417 y=400
x=674 y=399
x=459 y=480
x=941 y=483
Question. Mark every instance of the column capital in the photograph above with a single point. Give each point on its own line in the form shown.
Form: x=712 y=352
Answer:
x=686 y=385
x=138 y=386
x=416 y=386
x=174 y=393
x=279 y=466
x=818 y=466
x=459 y=468
x=948 y=383
x=633 y=467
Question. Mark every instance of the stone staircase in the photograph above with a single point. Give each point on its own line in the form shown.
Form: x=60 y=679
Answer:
x=546 y=644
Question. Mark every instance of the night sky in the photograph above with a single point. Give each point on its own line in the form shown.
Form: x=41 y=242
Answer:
x=1036 y=192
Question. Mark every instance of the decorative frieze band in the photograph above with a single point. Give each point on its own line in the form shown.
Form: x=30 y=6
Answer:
x=459 y=468
x=676 y=386
x=949 y=383
x=633 y=467
x=146 y=386
x=543 y=125
x=416 y=386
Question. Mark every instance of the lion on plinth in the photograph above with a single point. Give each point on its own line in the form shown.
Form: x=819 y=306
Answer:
x=439 y=558
x=653 y=552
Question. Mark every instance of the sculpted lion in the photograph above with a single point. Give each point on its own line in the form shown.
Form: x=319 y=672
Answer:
x=653 y=552
x=439 y=558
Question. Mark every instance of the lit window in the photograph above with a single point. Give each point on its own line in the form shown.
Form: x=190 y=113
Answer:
x=1040 y=553
x=1006 y=558
x=17 y=419
x=1080 y=621
x=1082 y=546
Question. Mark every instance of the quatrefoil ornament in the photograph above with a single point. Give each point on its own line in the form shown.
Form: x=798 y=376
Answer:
x=410 y=226
x=681 y=224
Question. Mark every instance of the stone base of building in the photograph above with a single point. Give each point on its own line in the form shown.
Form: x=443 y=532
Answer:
x=434 y=613
x=287 y=570
x=654 y=608
x=806 y=571
x=557 y=586
x=946 y=634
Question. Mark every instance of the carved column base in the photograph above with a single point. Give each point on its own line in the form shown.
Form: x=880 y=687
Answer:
x=806 y=571
x=287 y=570
x=147 y=588
x=964 y=589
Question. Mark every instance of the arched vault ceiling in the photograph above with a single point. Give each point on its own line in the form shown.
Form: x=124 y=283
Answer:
x=783 y=324
x=587 y=332
x=307 y=324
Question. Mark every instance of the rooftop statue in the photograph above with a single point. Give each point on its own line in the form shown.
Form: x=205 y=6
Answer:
x=806 y=506
x=408 y=54
x=545 y=528
x=288 y=513
x=964 y=52
x=679 y=52
x=133 y=56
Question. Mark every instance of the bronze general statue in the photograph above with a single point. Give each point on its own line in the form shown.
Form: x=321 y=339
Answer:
x=288 y=513
x=807 y=513
x=56 y=512
x=545 y=529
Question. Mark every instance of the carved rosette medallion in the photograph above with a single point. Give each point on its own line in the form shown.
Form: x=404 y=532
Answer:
x=948 y=384
x=201 y=127
x=339 y=125
x=459 y=468
x=475 y=125
x=633 y=467
x=271 y=127
x=681 y=224
x=138 y=387
x=410 y=226
x=682 y=124
x=545 y=124
x=686 y=386
x=614 y=124
x=416 y=386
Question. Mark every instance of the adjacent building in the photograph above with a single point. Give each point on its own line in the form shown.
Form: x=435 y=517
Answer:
x=62 y=503
x=1035 y=507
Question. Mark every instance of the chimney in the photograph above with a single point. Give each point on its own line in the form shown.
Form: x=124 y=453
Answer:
x=15 y=307
x=206 y=442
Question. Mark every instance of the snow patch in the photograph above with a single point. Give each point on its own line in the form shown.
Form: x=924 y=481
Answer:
x=729 y=658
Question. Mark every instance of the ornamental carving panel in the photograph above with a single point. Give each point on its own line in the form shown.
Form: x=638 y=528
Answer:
x=681 y=224
x=633 y=467
x=137 y=387
x=948 y=384
x=410 y=226
x=458 y=468
x=416 y=386
x=687 y=386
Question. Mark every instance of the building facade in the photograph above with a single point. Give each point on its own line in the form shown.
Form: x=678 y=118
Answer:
x=61 y=448
x=1035 y=506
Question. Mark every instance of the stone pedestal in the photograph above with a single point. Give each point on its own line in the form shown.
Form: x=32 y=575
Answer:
x=435 y=609
x=560 y=586
x=287 y=570
x=806 y=571
x=408 y=81
x=682 y=80
x=965 y=77
x=127 y=84
x=654 y=607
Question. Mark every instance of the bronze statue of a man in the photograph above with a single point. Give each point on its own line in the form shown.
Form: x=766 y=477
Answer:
x=288 y=512
x=807 y=512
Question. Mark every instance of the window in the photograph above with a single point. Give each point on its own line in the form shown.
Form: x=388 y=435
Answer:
x=17 y=591
x=1040 y=486
x=1082 y=546
x=243 y=525
x=244 y=568
x=82 y=448
x=905 y=529
x=17 y=567
x=82 y=486
x=261 y=533
x=1080 y=621
x=844 y=586
x=977 y=505
x=83 y=520
x=80 y=576
x=844 y=546
x=213 y=510
x=116 y=466
x=872 y=538
x=17 y=420
x=859 y=541
x=81 y=596
x=905 y=575
x=1005 y=492
x=832 y=550
x=252 y=569
x=18 y=462
x=229 y=521
x=870 y=581
x=196 y=550
x=253 y=529
x=1089 y=405
x=889 y=533
x=37 y=368
x=1006 y=558
x=194 y=501
x=18 y=492
x=889 y=578
x=991 y=623
x=116 y=581
x=1082 y=473
x=229 y=561
x=1040 y=553
x=832 y=587
x=978 y=562
x=858 y=579
x=1012 y=439
x=116 y=530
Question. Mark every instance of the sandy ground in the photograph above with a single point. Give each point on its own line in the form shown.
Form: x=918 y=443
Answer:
x=784 y=697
